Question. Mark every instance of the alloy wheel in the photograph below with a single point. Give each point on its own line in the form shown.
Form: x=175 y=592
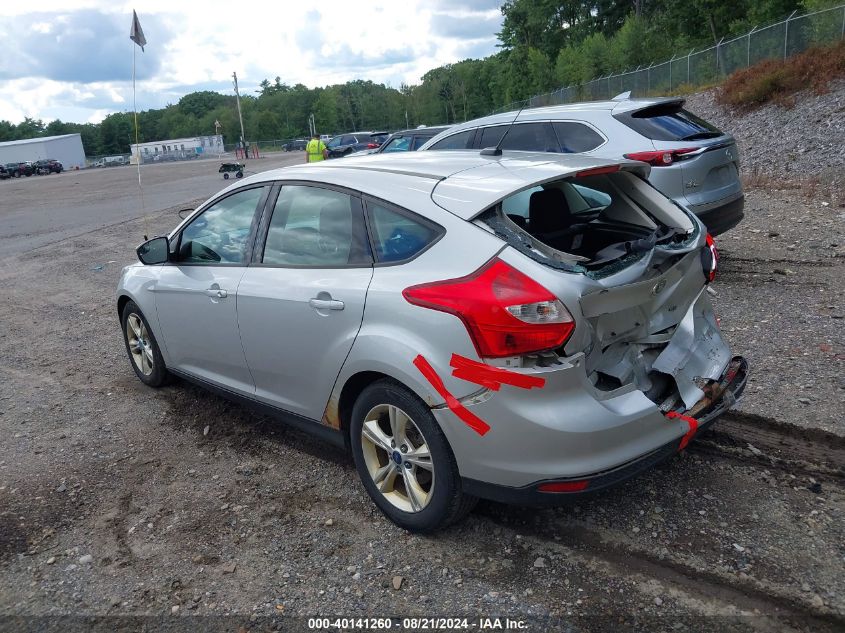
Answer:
x=397 y=458
x=140 y=345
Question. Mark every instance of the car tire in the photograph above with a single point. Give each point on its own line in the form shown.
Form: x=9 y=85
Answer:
x=240 y=174
x=142 y=347
x=225 y=176
x=427 y=496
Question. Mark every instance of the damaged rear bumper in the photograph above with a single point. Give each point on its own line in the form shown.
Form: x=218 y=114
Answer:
x=728 y=390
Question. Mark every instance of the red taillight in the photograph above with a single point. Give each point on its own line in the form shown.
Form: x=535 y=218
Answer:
x=714 y=259
x=564 y=486
x=372 y=146
x=661 y=157
x=505 y=312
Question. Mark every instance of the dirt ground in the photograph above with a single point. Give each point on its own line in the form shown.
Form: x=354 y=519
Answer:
x=121 y=502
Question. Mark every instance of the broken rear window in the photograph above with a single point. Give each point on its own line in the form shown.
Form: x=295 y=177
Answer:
x=588 y=222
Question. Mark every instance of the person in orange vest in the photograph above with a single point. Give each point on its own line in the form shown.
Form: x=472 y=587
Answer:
x=315 y=150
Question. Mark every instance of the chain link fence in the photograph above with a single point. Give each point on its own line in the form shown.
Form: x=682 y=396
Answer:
x=700 y=68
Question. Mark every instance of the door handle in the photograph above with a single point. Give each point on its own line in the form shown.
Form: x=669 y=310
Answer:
x=326 y=304
x=216 y=293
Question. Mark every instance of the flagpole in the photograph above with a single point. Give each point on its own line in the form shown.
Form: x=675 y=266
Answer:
x=137 y=148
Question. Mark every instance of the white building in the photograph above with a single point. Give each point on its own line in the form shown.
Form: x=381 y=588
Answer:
x=67 y=149
x=179 y=147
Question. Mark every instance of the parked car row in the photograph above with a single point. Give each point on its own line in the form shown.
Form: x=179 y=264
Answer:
x=345 y=145
x=693 y=163
x=362 y=143
x=30 y=168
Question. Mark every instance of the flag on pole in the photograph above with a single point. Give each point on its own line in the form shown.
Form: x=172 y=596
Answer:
x=137 y=33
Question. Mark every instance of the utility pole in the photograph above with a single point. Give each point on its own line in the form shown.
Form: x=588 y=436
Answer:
x=240 y=117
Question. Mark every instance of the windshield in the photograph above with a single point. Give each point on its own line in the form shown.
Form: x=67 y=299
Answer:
x=398 y=144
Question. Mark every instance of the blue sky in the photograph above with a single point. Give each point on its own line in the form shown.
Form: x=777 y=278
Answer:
x=75 y=64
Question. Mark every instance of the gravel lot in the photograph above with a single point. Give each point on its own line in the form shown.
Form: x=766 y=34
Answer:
x=117 y=500
x=40 y=210
x=805 y=143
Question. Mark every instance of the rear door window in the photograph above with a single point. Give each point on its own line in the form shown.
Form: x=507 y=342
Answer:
x=398 y=144
x=315 y=227
x=669 y=122
x=461 y=140
x=574 y=138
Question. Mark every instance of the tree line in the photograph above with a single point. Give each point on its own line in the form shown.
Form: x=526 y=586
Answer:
x=544 y=45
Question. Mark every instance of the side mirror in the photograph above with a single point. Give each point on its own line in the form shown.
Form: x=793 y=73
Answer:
x=154 y=251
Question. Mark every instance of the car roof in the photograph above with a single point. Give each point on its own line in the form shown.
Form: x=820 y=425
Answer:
x=562 y=111
x=463 y=182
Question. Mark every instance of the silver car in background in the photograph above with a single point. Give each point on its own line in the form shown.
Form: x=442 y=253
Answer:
x=524 y=327
x=693 y=163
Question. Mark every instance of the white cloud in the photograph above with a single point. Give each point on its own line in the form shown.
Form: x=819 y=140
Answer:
x=194 y=45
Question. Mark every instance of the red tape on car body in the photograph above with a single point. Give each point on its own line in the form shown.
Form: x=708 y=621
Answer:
x=491 y=377
x=692 y=423
x=467 y=417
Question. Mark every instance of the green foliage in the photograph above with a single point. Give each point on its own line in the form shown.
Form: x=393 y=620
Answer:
x=777 y=80
x=198 y=104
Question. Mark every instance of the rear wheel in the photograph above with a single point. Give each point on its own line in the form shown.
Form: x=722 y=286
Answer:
x=240 y=174
x=225 y=176
x=404 y=460
x=142 y=347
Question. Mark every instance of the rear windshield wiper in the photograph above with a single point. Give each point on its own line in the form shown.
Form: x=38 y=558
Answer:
x=701 y=135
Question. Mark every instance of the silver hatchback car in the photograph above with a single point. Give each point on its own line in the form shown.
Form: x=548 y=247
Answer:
x=524 y=327
x=693 y=163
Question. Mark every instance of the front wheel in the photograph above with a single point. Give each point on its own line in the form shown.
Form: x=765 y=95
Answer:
x=142 y=347
x=404 y=460
x=225 y=176
x=240 y=174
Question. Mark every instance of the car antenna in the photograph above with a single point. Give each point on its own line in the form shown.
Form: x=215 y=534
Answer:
x=497 y=151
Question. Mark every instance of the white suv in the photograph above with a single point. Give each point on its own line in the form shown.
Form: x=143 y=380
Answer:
x=693 y=162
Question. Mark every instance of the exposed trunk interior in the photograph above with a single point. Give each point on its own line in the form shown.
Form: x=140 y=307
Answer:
x=589 y=222
x=656 y=333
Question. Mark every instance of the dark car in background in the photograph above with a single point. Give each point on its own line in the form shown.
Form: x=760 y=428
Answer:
x=48 y=166
x=296 y=145
x=16 y=170
x=4 y=173
x=346 y=144
x=409 y=140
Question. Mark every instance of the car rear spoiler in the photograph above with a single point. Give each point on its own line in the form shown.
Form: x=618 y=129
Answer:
x=625 y=107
